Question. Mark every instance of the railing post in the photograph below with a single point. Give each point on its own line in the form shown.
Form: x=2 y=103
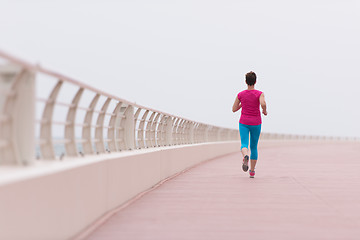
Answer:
x=129 y=128
x=174 y=131
x=169 y=131
x=179 y=131
x=46 y=144
x=70 y=145
x=191 y=132
x=185 y=131
x=17 y=116
x=136 y=131
x=112 y=128
x=141 y=130
x=86 y=130
x=148 y=134
x=196 y=132
x=161 y=130
x=153 y=132
x=120 y=128
x=99 y=129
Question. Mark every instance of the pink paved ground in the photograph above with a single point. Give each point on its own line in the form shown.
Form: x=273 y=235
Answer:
x=301 y=191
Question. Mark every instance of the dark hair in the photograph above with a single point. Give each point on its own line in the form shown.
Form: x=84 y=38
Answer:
x=250 y=78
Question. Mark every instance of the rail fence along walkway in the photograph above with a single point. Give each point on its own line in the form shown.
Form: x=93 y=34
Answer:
x=74 y=119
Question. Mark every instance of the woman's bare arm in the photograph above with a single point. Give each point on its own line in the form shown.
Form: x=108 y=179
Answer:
x=237 y=105
x=263 y=103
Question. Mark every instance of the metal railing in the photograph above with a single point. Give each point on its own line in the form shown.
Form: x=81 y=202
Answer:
x=65 y=117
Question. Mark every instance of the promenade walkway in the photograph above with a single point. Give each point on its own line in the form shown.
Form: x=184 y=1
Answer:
x=302 y=190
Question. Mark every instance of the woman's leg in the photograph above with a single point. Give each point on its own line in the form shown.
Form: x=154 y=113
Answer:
x=244 y=137
x=254 y=139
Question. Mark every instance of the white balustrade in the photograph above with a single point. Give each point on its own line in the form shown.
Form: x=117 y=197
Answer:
x=91 y=121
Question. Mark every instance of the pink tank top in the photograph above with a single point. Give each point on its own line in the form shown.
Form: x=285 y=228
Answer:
x=250 y=102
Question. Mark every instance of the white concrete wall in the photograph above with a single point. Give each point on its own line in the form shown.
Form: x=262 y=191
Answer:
x=59 y=200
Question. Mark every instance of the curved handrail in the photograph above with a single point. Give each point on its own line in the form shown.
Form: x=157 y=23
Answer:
x=112 y=125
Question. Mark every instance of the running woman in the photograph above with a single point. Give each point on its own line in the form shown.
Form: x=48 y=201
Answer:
x=250 y=101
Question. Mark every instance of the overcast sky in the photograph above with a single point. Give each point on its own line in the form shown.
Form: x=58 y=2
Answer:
x=189 y=57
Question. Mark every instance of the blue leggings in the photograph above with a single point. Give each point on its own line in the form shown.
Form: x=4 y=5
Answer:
x=254 y=131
